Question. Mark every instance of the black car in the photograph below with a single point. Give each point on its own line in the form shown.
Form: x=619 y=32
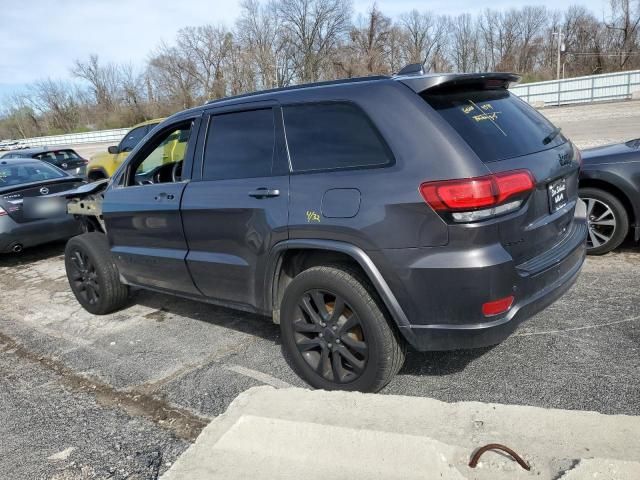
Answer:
x=362 y=215
x=64 y=158
x=20 y=181
x=610 y=186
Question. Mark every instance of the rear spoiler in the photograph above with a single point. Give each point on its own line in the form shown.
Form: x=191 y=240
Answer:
x=420 y=83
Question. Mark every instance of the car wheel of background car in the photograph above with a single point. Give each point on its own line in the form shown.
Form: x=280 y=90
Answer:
x=607 y=218
x=92 y=274
x=335 y=332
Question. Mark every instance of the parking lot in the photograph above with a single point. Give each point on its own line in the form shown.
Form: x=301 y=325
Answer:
x=126 y=392
x=121 y=396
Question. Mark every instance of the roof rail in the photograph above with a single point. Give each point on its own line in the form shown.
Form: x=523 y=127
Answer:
x=301 y=86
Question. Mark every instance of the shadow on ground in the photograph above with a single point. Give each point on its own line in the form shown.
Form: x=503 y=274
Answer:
x=417 y=363
x=32 y=254
x=440 y=363
x=244 y=322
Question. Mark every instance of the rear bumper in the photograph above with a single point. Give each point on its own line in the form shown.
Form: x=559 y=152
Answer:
x=442 y=300
x=454 y=337
x=37 y=232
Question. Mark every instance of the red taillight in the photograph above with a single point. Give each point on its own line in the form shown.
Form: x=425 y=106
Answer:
x=475 y=193
x=3 y=212
x=497 y=307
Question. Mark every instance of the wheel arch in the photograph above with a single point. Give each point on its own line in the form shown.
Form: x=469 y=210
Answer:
x=311 y=252
x=91 y=174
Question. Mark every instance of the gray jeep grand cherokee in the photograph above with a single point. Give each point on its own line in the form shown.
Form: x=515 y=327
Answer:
x=362 y=215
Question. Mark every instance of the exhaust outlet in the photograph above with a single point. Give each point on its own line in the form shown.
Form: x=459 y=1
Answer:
x=17 y=248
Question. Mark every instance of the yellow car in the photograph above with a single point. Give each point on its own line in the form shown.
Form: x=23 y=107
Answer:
x=103 y=165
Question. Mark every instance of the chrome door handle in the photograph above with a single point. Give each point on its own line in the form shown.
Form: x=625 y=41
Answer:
x=264 y=193
x=162 y=196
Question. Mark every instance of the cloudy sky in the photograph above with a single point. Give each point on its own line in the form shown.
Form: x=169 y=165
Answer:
x=41 y=38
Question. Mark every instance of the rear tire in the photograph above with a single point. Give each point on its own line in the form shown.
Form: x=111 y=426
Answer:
x=608 y=220
x=336 y=334
x=93 y=275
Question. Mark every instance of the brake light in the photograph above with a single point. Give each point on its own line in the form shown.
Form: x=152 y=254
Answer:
x=472 y=199
x=3 y=212
x=497 y=307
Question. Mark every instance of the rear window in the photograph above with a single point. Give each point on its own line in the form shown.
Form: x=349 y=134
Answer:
x=27 y=173
x=496 y=124
x=58 y=157
x=331 y=136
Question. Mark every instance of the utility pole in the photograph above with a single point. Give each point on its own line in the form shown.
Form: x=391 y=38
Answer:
x=560 y=35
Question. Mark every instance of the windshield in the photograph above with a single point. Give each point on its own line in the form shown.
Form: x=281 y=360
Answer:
x=495 y=123
x=27 y=173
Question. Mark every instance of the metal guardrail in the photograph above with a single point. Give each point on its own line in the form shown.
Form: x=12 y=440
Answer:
x=98 y=136
x=591 y=88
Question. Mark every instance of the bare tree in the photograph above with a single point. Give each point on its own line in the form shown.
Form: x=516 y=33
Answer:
x=283 y=42
x=464 y=43
x=370 y=41
x=625 y=20
x=102 y=78
x=314 y=29
x=57 y=101
x=204 y=50
x=258 y=32
x=19 y=119
x=424 y=37
x=532 y=21
x=169 y=71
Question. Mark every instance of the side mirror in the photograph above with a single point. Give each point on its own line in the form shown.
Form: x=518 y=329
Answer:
x=113 y=150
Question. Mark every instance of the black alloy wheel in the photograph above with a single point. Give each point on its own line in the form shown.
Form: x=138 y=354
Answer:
x=336 y=332
x=330 y=336
x=83 y=277
x=93 y=275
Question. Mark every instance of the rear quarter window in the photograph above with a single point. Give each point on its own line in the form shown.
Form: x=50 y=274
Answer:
x=496 y=124
x=327 y=136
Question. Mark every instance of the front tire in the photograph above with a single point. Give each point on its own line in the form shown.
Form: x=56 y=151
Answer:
x=608 y=221
x=92 y=274
x=336 y=335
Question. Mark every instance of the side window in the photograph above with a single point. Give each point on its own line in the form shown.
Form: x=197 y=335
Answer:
x=161 y=160
x=47 y=156
x=325 y=136
x=132 y=138
x=240 y=145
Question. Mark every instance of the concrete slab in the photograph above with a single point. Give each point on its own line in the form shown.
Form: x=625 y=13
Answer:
x=603 y=469
x=296 y=433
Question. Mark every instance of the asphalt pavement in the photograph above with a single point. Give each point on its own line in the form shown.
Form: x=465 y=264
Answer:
x=124 y=394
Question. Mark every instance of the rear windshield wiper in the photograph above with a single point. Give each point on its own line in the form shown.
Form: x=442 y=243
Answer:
x=554 y=133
